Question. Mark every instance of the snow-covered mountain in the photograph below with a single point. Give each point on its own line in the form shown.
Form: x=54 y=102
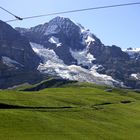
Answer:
x=70 y=51
x=52 y=65
x=66 y=49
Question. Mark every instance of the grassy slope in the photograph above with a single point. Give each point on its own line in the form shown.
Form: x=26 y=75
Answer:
x=90 y=117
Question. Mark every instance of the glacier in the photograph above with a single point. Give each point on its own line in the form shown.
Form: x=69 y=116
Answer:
x=53 y=65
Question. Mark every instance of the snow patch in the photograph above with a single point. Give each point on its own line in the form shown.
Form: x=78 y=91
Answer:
x=45 y=54
x=89 y=39
x=82 y=29
x=135 y=76
x=83 y=57
x=55 y=40
x=10 y=62
x=106 y=78
x=133 y=49
x=95 y=67
x=18 y=48
x=87 y=35
x=133 y=52
x=78 y=73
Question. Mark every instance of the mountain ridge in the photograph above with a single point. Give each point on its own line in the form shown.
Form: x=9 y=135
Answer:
x=16 y=58
x=75 y=45
x=66 y=49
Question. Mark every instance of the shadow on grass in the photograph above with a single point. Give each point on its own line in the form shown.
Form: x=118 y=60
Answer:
x=7 y=106
x=95 y=106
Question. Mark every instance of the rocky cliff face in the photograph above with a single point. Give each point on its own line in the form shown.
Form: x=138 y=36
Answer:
x=68 y=50
x=16 y=47
x=16 y=56
x=134 y=53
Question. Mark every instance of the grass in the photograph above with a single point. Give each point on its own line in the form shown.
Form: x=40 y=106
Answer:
x=72 y=112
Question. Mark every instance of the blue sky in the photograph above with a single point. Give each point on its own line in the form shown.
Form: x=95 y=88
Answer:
x=119 y=26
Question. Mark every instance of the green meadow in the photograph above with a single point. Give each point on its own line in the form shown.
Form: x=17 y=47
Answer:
x=75 y=111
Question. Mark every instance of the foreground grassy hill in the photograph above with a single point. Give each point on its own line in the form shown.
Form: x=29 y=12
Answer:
x=74 y=111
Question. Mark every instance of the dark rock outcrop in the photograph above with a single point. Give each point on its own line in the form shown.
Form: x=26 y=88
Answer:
x=16 y=57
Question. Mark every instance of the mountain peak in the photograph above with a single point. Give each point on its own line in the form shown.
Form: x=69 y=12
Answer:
x=60 y=19
x=62 y=25
x=69 y=50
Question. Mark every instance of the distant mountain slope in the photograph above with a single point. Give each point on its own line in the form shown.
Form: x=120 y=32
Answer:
x=134 y=53
x=17 y=59
x=15 y=47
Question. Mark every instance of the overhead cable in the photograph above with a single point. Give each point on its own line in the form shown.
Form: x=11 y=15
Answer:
x=17 y=17
x=77 y=10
